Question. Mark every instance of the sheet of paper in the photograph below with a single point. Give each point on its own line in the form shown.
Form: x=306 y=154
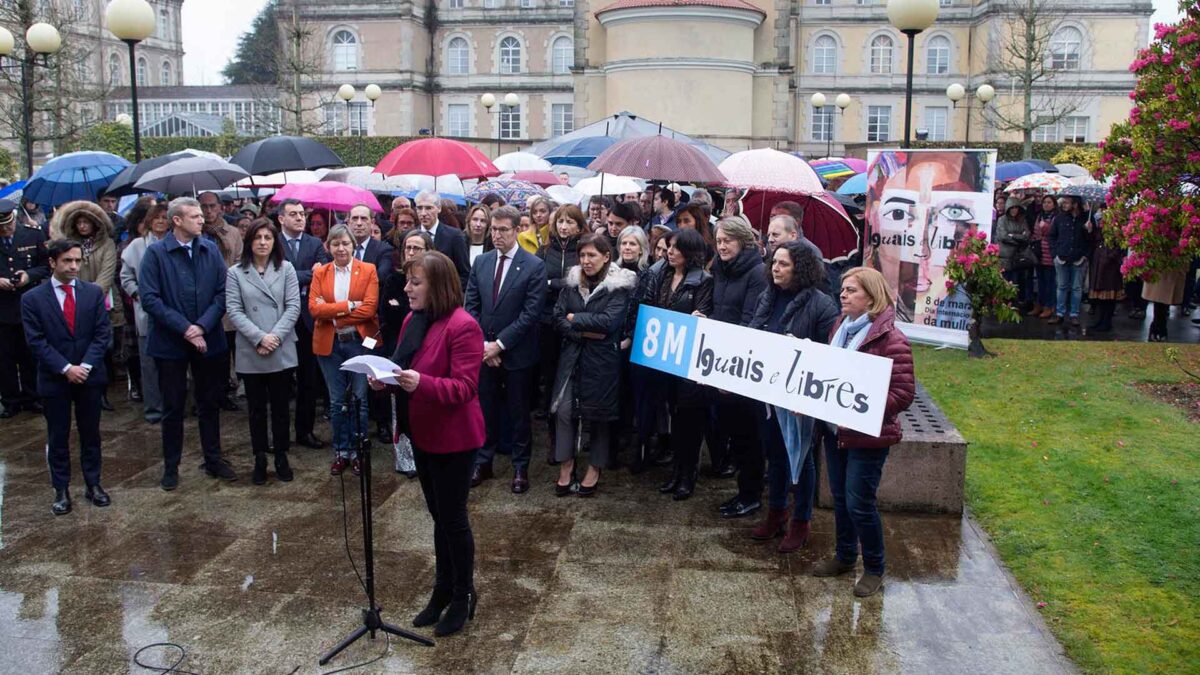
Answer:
x=375 y=366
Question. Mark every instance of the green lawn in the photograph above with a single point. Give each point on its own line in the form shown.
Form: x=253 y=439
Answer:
x=1090 y=490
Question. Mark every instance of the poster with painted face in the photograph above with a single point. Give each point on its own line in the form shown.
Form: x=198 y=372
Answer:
x=920 y=203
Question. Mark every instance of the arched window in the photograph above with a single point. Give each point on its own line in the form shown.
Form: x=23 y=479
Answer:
x=164 y=24
x=345 y=51
x=166 y=78
x=824 y=56
x=510 y=56
x=562 y=55
x=458 y=57
x=881 y=55
x=143 y=76
x=1065 y=47
x=114 y=71
x=937 y=55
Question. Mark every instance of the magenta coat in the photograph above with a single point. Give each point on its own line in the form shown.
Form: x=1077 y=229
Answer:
x=444 y=413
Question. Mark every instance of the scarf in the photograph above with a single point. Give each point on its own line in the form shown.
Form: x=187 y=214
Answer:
x=411 y=340
x=851 y=333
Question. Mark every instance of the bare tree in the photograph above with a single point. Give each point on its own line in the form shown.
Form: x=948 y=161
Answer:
x=1031 y=58
x=301 y=94
x=65 y=95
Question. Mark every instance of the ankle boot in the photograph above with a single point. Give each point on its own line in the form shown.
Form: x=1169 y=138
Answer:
x=461 y=610
x=796 y=537
x=685 y=487
x=283 y=470
x=260 y=469
x=669 y=486
x=772 y=526
x=433 y=611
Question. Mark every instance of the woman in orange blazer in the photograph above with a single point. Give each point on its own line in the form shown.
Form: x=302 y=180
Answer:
x=344 y=301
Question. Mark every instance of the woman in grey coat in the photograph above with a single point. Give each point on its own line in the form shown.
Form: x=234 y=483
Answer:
x=262 y=300
x=156 y=226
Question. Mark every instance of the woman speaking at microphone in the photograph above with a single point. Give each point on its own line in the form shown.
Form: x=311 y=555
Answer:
x=440 y=354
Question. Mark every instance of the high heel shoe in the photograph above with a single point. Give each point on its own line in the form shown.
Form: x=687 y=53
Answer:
x=460 y=611
x=439 y=601
x=588 y=491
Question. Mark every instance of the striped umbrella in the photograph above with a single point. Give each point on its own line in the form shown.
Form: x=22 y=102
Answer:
x=1050 y=182
x=830 y=169
x=516 y=192
x=658 y=158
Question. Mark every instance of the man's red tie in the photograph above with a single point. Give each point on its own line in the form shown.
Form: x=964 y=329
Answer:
x=499 y=277
x=69 y=307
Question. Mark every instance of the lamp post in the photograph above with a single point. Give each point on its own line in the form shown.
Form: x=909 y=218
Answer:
x=911 y=17
x=41 y=40
x=956 y=92
x=488 y=101
x=372 y=92
x=842 y=102
x=131 y=21
x=346 y=93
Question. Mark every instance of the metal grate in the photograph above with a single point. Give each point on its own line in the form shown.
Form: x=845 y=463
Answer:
x=925 y=418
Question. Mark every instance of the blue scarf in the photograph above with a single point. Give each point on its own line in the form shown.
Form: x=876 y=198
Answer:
x=852 y=332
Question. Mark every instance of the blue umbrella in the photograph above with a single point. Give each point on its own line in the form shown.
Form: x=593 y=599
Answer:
x=75 y=175
x=854 y=185
x=579 y=152
x=15 y=187
x=1006 y=171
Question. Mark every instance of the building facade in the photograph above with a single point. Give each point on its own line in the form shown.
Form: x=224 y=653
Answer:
x=199 y=110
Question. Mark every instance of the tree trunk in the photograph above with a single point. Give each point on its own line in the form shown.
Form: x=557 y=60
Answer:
x=975 y=346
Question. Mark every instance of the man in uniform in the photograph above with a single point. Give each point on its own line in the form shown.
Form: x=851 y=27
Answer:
x=23 y=265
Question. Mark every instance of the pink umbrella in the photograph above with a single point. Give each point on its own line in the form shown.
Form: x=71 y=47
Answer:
x=826 y=222
x=770 y=171
x=658 y=158
x=328 y=195
x=540 y=178
x=859 y=165
x=437 y=157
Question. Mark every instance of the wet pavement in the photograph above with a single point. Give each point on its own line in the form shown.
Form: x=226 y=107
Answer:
x=1179 y=328
x=256 y=580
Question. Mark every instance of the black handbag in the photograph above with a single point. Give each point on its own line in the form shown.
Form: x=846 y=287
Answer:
x=1025 y=258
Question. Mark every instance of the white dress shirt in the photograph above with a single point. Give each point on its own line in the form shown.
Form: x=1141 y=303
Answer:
x=504 y=275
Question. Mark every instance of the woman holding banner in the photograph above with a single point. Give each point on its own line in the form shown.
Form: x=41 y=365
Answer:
x=792 y=304
x=856 y=464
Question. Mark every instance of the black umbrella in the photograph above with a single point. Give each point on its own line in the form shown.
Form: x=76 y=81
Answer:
x=1092 y=194
x=124 y=182
x=285 y=153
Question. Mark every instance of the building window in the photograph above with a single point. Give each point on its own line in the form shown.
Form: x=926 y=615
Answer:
x=510 y=122
x=458 y=120
x=456 y=4
x=1074 y=130
x=566 y=3
x=359 y=114
x=821 y=2
x=1045 y=133
x=562 y=55
x=143 y=77
x=879 y=123
x=345 y=51
x=164 y=24
x=935 y=122
x=510 y=56
x=166 y=76
x=114 y=72
x=490 y=4
x=881 y=55
x=944 y=3
x=937 y=55
x=1064 y=48
x=562 y=118
x=334 y=124
x=458 y=57
x=822 y=124
x=526 y=4
x=825 y=56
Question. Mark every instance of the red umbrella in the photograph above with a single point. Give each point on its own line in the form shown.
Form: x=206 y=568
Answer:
x=658 y=158
x=437 y=157
x=539 y=178
x=826 y=222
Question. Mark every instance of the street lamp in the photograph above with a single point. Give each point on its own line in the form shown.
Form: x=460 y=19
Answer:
x=41 y=40
x=488 y=101
x=956 y=92
x=842 y=102
x=131 y=21
x=346 y=93
x=911 y=17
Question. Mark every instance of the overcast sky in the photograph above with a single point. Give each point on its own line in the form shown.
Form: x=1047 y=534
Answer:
x=211 y=29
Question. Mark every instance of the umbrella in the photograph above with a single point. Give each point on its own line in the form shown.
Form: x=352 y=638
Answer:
x=565 y=194
x=449 y=186
x=770 y=170
x=1042 y=165
x=658 y=158
x=123 y=183
x=1006 y=171
x=328 y=195
x=13 y=188
x=75 y=175
x=516 y=192
x=285 y=153
x=190 y=175
x=830 y=168
x=855 y=185
x=859 y=165
x=1050 y=182
x=607 y=184
x=280 y=179
x=620 y=126
x=366 y=178
x=826 y=222
x=1072 y=170
x=1094 y=194
x=437 y=157
x=579 y=152
x=521 y=161
x=542 y=178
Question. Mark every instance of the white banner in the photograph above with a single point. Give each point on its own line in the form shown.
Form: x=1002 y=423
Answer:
x=840 y=386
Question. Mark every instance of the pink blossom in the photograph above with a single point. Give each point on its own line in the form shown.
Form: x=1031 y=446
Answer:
x=992 y=249
x=1178 y=125
x=1167 y=59
x=1188 y=38
x=949 y=285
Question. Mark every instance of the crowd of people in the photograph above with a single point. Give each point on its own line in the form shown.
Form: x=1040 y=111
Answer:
x=499 y=316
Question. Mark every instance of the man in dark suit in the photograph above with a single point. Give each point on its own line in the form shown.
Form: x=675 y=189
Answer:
x=446 y=239
x=182 y=284
x=68 y=330
x=305 y=252
x=377 y=253
x=22 y=267
x=505 y=293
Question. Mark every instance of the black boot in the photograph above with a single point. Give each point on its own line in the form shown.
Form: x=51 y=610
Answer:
x=433 y=611
x=669 y=486
x=283 y=470
x=461 y=610
x=685 y=487
x=259 y=477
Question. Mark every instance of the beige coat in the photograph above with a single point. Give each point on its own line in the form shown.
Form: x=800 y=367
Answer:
x=1168 y=289
x=99 y=265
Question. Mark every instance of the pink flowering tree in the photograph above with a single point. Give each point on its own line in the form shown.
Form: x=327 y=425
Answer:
x=974 y=268
x=1154 y=156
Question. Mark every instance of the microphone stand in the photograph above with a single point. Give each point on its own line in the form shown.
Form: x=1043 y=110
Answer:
x=372 y=621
